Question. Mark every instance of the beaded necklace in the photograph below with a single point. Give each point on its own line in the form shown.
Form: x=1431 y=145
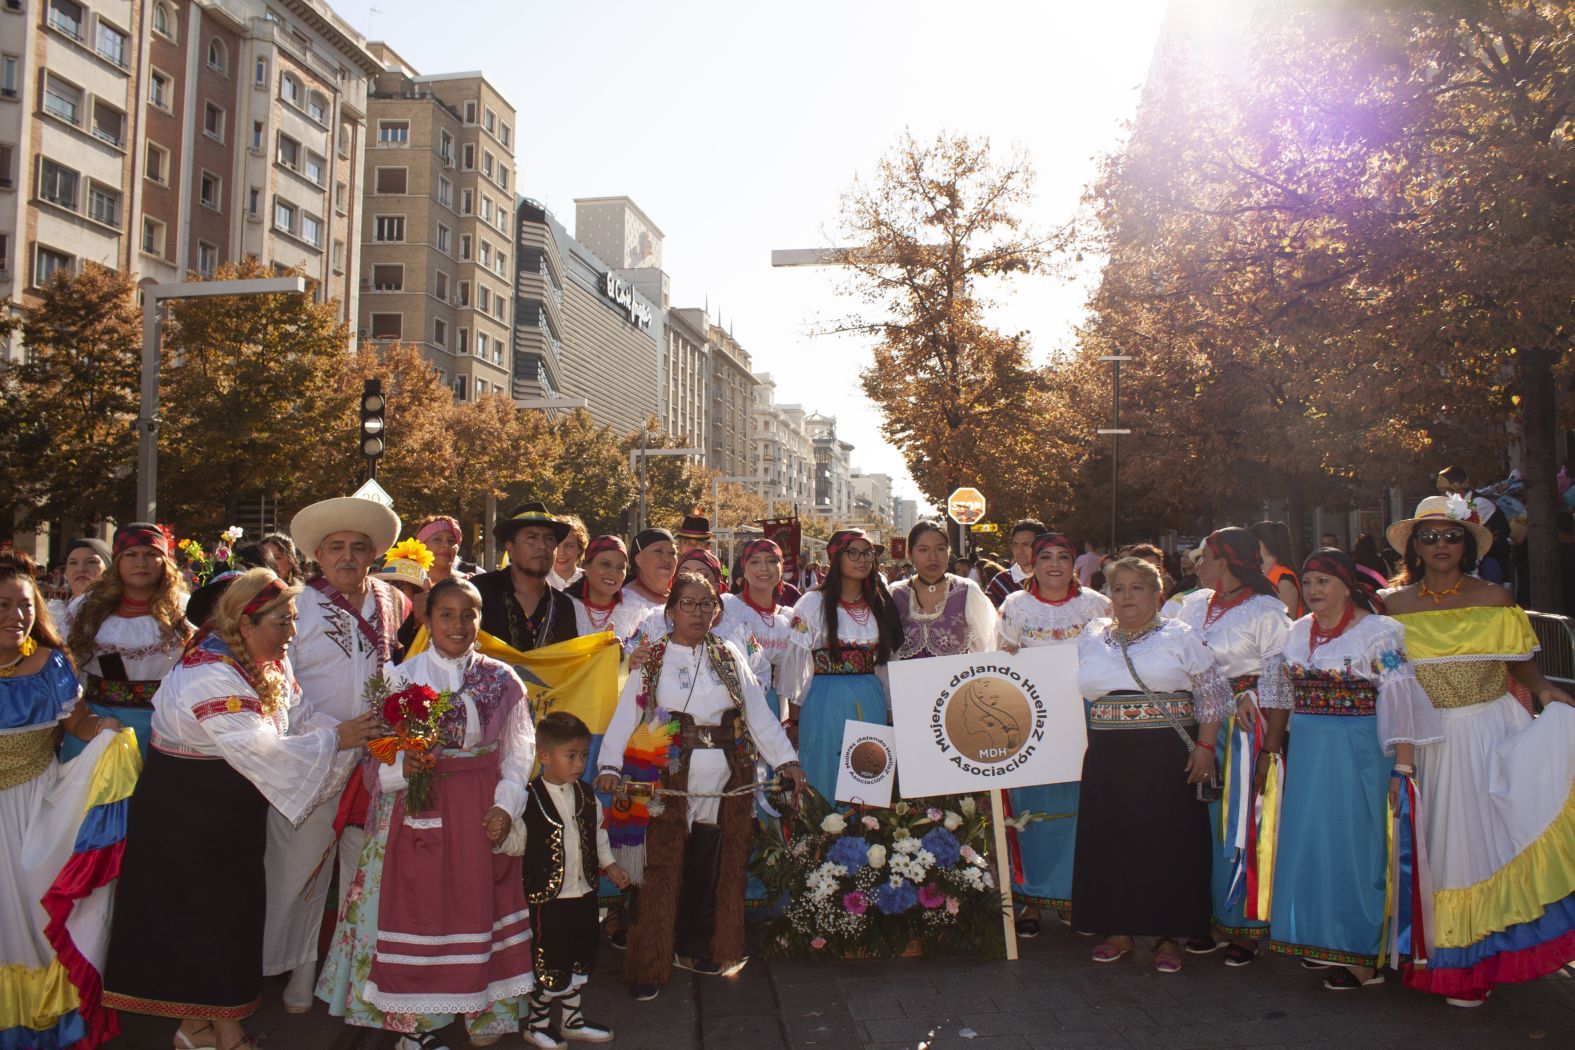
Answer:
x=1215 y=611
x=607 y=610
x=1125 y=637
x=1318 y=636
x=858 y=611
x=767 y=616
x=1424 y=591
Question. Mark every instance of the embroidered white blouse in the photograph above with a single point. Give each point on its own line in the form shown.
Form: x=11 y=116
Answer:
x=146 y=654
x=689 y=685
x=623 y=621
x=292 y=755
x=806 y=633
x=333 y=658
x=1247 y=639
x=1371 y=650
x=1170 y=659
x=763 y=637
x=1027 y=622
x=516 y=743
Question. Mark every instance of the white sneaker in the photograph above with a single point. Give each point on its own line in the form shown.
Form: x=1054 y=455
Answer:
x=298 y=992
x=587 y=1032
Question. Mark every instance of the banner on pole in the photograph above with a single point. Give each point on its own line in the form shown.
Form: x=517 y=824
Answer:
x=869 y=764
x=988 y=720
x=786 y=533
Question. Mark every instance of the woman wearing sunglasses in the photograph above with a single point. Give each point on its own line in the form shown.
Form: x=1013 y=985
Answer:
x=1497 y=812
x=842 y=631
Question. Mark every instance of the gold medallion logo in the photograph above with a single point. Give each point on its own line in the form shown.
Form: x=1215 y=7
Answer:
x=989 y=719
x=868 y=760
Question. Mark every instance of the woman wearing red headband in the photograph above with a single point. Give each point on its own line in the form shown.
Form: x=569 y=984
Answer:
x=842 y=631
x=1498 y=807
x=658 y=622
x=1052 y=609
x=1360 y=714
x=1243 y=623
x=127 y=631
x=598 y=594
x=755 y=617
x=231 y=738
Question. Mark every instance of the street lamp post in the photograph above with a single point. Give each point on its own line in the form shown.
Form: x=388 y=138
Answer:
x=643 y=453
x=153 y=298
x=1115 y=431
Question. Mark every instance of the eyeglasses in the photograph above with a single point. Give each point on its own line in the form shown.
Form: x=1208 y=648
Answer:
x=1428 y=537
x=705 y=606
x=860 y=554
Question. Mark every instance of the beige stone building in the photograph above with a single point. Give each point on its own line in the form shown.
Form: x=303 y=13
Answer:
x=685 y=373
x=729 y=442
x=165 y=137
x=437 y=266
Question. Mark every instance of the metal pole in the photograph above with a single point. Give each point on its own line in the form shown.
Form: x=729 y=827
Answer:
x=147 y=417
x=1115 y=448
x=491 y=560
x=640 y=522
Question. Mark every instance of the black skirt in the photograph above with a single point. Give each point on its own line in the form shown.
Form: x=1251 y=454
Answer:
x=1142 y=860
x=186 y=938
x=564 y=934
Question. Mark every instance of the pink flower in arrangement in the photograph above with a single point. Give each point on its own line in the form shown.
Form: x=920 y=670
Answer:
x=872 y=823
x=933 y=813
x=931 y=895
x=855 y=903
x=952 y=905
x=818 y=943
x=967 y=853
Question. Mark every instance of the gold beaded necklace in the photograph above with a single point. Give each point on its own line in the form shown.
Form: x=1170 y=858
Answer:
x=1424 y=591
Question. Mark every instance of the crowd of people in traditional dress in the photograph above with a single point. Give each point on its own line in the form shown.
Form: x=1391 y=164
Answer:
x=1337 y=696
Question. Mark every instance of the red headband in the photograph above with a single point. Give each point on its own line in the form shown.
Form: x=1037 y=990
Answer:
x=1358 y=584
x=761 y=546
x=602 y=544
x=841 y=540
x=1239 y=562
x=705 y=557
x=141 y=535
x=1043 y=542
x=271 y=590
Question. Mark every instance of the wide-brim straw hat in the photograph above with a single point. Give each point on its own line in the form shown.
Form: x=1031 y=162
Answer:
x=1442 y=510
x=403 y=570
x=312 y=524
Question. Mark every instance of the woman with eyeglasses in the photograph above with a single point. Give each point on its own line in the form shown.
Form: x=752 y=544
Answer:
x=1051 y=609
x=690 y=720
x=1497 y=810
x=842 y=632
x=1243 y=624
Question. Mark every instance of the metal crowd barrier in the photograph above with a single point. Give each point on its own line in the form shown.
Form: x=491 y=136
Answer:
x=1556 y=635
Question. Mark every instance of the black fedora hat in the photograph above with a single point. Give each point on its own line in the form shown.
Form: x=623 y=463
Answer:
x=527 y=514
x=695 y=527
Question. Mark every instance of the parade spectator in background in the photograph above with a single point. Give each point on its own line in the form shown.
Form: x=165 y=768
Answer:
x=1012 y=580
x=1453 y=480
x=1086 y=564
x=566 y=559
x=1274 y=550
x=283 y=557
x=86 y=560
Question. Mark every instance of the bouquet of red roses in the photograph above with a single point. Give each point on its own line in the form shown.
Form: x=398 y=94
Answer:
x=412 y=713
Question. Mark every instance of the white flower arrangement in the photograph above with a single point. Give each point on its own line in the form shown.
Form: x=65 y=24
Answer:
x=834 y=823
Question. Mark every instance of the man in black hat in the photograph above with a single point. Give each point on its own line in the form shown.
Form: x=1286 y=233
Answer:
x=517 y=605
x=693 y=534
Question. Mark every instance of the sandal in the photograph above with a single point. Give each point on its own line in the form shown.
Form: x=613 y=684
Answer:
x=1027 y=929
x=183 y=1041
x=1109 y=952
x=1236 y=955
x=1167 y=959
x=1343 y=980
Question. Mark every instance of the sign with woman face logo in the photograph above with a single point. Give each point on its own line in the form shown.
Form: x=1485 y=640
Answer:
x=988 y=720
x=869 y=764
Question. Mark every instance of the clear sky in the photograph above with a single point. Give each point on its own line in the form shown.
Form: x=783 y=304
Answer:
x=737 y=125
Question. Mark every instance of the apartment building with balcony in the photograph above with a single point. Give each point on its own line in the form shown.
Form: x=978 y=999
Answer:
x=833 y=469
x=784 y=454
x=685 y=371
x=437 y=266
x=165 y=137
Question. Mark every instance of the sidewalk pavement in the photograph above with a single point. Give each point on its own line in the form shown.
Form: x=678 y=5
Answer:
x=1053 y=998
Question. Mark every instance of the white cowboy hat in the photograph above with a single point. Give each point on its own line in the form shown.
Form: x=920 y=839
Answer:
x=1453 y=509
x=311 y=525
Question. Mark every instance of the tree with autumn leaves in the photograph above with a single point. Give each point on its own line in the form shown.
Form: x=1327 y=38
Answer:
x=1345 y=263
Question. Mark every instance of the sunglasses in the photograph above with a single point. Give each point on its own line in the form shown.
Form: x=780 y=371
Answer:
x=1428 y=537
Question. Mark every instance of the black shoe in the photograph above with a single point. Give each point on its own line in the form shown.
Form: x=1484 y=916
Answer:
x=644 y=993
x=704 y=967
x=587 y=1032
x=1236 y=955
x=1202 y=946
x=1027 y=929
x=1343 y=980
x=619 y=939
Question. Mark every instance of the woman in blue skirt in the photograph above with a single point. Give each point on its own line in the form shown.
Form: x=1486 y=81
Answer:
x=842 y=631
x=1052 y=609
x=1359 y=714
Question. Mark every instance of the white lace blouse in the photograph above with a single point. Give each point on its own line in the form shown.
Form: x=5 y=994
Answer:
x=1027 y=622
x=1247 y=639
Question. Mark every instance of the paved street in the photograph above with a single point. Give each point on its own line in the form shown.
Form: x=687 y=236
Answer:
x=1053 y=998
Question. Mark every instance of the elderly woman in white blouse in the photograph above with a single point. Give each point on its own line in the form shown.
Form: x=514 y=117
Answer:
x=1156 y=700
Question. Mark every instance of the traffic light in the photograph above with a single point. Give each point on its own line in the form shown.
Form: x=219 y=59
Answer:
x=372 y=427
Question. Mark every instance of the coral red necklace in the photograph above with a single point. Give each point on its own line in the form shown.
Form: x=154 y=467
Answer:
x=606 y=610
x=858 y=611
x=1211 y=616
x=768 y=616
x=1319 y=636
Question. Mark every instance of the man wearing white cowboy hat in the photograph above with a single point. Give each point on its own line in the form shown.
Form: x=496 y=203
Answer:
x=347 y=631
